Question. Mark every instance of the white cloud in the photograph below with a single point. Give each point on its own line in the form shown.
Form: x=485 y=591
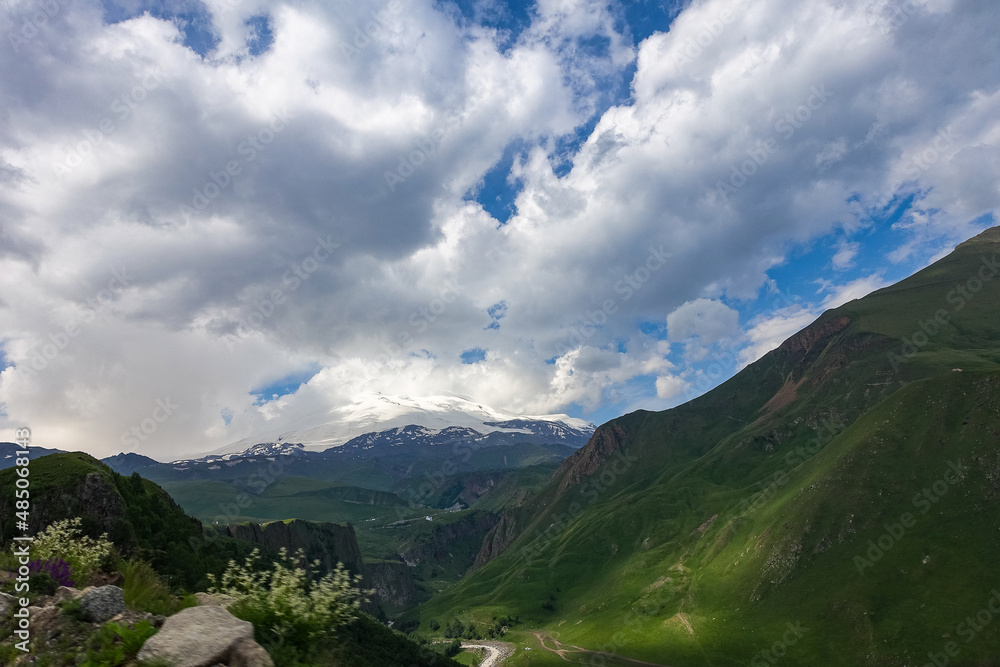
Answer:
x=670 y=386
x=846 y=255
x=705 y=319
x=767 y=333
x=418 y=267
x=841 y=294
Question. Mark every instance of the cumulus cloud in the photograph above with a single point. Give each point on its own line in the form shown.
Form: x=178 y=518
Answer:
x=670 y=386
x=306 y=206
x=705 y=319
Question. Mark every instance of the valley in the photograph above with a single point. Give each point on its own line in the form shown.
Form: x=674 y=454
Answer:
x=835 y=502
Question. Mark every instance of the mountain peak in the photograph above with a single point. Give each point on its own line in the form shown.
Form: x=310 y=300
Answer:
x=377 y=412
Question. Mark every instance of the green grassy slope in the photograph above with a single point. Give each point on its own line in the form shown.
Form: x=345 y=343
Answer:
x=301 y=498
x=696 y=535
x=138 y=516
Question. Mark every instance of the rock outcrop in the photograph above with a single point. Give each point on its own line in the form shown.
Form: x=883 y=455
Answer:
x=607 y=440
x=392 y=582
x=440 y=545
x=214 y=599
x=501 y=536
x=203 y=637
x=330 y=543
x=103 y=603
x=248 y=653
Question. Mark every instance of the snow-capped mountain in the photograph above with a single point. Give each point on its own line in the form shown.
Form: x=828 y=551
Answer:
x=264 y=449
x=378 y=413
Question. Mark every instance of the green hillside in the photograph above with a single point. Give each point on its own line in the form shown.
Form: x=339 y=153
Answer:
x=143 y=521
x=742 y=521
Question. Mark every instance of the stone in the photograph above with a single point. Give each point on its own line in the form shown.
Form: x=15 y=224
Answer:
x=45 y=622
x=130 y=618
x=248 y=653
x=102 y=603
x=112 y=579
x=214 y=599
x=64 y=593
x=7 y=602
x=196 y=637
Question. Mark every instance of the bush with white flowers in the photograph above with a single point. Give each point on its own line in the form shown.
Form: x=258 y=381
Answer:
x=65 y=540
x=289 y=604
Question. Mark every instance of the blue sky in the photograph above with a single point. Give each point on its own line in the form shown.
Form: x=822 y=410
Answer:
x=267 y=210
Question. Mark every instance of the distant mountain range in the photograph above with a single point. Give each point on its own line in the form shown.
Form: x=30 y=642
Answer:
x=399 y=451
x=377 y=413
x=8 y=453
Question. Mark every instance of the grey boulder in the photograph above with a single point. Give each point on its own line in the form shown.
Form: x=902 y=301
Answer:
x=102 y=603
x=197 y=637
x=248 y=653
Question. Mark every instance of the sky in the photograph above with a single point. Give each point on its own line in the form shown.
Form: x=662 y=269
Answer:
x=218 y=217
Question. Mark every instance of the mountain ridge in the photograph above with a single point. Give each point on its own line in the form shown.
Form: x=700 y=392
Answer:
x=749 y=503
x=379 y=412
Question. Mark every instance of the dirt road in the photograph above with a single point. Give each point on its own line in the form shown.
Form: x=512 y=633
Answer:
x=496 y=652
x=562 y=650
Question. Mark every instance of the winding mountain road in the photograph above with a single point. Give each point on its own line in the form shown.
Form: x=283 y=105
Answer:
x=496 y=653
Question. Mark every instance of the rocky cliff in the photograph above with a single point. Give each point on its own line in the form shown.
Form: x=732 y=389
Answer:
x=393 y=584
x=330 y=543
x=455 y=544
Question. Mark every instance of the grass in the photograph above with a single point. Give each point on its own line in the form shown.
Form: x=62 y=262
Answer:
x=146 y=591
x=664 y=560
x=213 y=501
x=472 y=658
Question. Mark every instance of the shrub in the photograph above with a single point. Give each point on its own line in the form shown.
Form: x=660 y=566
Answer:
x=114 y=645
x=56 y=568
x=65 y=540
x=41 y=583
x=146 y=591
x=454 y=648
x=290 y=605
x=72 y=609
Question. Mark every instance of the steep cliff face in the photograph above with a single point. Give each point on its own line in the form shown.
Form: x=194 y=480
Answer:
x=498 y=539
x=330 y=543
x=451 y=547
x=393 y=584
x=607 y=440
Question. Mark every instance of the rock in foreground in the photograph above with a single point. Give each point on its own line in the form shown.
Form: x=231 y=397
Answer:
x=202 y=637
